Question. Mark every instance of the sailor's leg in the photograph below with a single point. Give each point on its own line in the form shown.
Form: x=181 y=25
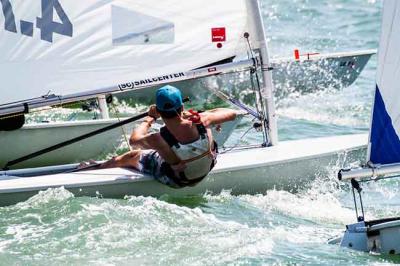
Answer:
x=129 y=160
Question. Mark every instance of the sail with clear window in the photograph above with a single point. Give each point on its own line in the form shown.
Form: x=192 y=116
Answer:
x=384 y=146
x=62 y=47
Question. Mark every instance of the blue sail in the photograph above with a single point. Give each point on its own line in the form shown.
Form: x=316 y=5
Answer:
x=384 y=141
x=385 y=126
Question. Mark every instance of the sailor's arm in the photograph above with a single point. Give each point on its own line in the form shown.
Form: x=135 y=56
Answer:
x=140 y=136
x=143 y=140
x=218 y=116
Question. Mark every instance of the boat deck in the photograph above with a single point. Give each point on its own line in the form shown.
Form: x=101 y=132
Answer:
x=243 y=171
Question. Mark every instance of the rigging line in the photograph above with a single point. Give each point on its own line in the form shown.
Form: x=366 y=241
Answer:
x=238 y=142
x=122 y=127
x=265 y=121
x=250 y=50
x=237 y=103
x=255 y=69
x=257 y=100
x=255 y=73
x=253 y=88
x=242 y=147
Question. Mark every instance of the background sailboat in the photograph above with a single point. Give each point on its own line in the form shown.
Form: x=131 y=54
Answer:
x=383 y=159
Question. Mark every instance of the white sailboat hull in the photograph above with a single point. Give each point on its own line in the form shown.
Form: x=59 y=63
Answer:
x=318 y=71
x=32 y=138
x=289 y=165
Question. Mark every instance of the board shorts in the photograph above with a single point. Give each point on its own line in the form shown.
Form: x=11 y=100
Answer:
x=150 y=163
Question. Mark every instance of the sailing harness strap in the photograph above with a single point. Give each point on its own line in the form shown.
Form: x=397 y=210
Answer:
x=181 y=179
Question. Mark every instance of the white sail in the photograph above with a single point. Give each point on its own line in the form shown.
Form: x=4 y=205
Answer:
x=66 y=47
x=385 y=127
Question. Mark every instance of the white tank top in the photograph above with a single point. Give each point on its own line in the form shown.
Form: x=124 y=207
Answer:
x=197 y=155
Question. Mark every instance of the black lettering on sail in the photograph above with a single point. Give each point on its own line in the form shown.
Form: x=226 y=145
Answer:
x=134 y=84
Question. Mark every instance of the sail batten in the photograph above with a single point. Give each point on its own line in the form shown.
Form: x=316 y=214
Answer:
x=67 y=47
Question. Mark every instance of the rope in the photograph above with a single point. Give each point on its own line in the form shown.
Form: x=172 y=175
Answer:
x=238 y=142
x=237 y=103
x=258 y=100
x=122 y=127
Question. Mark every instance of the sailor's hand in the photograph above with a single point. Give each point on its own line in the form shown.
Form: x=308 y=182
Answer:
x=153 y=112
x=149 y=120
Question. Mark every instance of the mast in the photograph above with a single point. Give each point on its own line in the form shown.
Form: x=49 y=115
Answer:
x=103 y=107
x=268 y=88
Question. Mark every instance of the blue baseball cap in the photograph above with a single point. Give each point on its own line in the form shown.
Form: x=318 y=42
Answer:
x=168 y=98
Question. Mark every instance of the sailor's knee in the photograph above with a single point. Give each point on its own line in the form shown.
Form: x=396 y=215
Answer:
x=128 y=159
x=134 y=155
x=132 y=158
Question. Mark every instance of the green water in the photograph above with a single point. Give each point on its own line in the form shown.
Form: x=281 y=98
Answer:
x=282 y=228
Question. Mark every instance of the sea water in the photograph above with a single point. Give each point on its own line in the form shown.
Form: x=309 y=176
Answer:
x=278 y=227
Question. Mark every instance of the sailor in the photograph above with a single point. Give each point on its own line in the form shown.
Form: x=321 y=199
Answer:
x=183 y=152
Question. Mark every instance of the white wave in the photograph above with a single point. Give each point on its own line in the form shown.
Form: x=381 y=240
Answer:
x=324 y=208
x=49 y=196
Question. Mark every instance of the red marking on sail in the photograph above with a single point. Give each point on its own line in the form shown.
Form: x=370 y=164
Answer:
x=218 y=35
